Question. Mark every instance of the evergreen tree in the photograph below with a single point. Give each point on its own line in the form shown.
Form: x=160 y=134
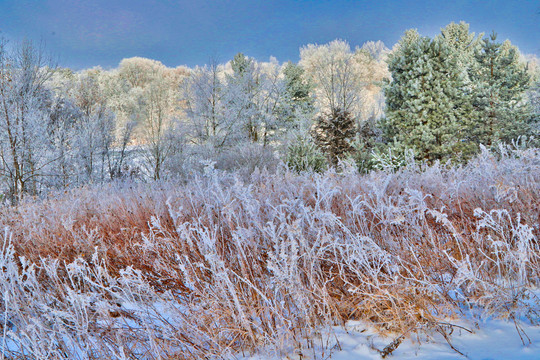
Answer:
x=463 y=43
x=298 y=93
x=303 y=155
x=500 y=82
x=333 y=133
x=427 y=98
x=455 y=92
x=297 y=88
x=240 y=63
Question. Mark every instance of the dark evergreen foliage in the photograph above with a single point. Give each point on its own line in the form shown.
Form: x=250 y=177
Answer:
x=333 y=133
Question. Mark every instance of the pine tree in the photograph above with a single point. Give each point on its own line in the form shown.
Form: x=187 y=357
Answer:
x=463 y=43
x=304 y=155
x=333 y=133
x=500 y=83
x=299 y=102
x=427 y=98
x=240 y=63
x=297 y=88
x=455 y=92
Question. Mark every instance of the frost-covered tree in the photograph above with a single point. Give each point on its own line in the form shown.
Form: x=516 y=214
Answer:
x=533 y=94
x=242 y=88
x=500 y=82
x=95 y=150
x=202 y=94
x=61 y=130
x=147 y=97
x=335 y=74
x=463 y=43
x=94 y=129
x=254 y=97
x=26 y=151
x=272 y=102
x=534 y=98
x=427 y=98
x=138 y=72
x=298 y=91
x=237 y=113
x=451 y=94
x=300 y=151
x=159 y=126
x=350 y=81
x=373 y=69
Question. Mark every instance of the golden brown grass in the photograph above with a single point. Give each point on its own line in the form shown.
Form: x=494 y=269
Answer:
x=271 y=260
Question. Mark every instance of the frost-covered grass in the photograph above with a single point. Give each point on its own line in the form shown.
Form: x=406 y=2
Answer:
x=222 y=267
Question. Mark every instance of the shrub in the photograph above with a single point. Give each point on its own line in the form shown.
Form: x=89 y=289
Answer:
x=304 y=156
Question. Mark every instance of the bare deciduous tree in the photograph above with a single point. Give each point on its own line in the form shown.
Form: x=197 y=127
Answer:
x=25 y=149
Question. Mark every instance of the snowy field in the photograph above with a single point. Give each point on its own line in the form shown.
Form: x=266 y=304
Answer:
x=490 y=340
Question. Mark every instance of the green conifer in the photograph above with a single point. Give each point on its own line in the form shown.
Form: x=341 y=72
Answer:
x=500 y=83
x=426 y=98
x=333 y=133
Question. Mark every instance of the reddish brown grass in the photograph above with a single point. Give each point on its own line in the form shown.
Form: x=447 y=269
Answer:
x=265 y=261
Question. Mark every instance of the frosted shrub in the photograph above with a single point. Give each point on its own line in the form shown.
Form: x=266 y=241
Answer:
x=391 y=159
x=303 y=155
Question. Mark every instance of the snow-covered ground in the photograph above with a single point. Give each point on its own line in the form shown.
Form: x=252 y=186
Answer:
x=490 y=340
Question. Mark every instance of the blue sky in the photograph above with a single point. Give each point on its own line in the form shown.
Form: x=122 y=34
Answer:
x=83 y=34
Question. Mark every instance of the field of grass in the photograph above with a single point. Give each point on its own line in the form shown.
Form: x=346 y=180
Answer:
x=221 y=267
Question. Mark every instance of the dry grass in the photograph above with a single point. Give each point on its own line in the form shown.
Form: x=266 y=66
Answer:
x=220 y=266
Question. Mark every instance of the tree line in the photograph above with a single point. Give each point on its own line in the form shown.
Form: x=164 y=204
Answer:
x=435 y=99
